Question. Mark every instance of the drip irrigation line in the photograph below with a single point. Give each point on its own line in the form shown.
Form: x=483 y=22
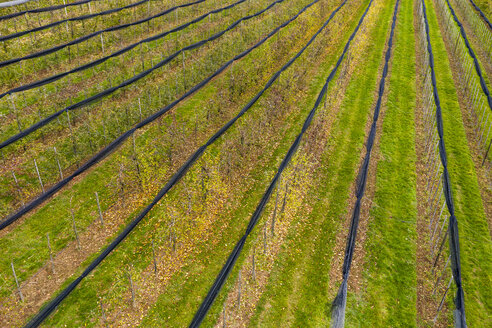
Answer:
x=73 y=19
x=13 y=3
x=44 y=9
x=93 y=34
x=96 y=62
x=131 y=80
x=52 y=305
x=340 y=301
x=231 y=260
x=485 y=89
x=454 y=246
x=480 y=12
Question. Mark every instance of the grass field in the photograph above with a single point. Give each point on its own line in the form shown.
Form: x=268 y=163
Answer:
x=174 y=162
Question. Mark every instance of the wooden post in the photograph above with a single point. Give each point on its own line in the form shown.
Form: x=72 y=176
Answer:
x=69 y=55
x=285 y=197
x=442 y=300
x=58 y=163
x=140 y=109
x=224 y=324
x=141 y=58
x=99 y=209
x=487 y=152
x=17 y=282
x=276 y=205
x=172 y=234
x=135 y=159
x=104 y=129
x=14 y=110
x=239 y=290
x=253 y=271
x=264 y=238
x=131 y=288
x=74 y=226
x=481 y=134
x=39 y=176
x=103 y=314
x=184 y=71
x=120 y=178
x=29 y=25
x=71 y=133
x=153 y=256
x=18 y=187
x=51 y=254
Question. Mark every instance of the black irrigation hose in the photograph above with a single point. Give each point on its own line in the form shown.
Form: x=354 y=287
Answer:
x=117 y=53
x=231 y=260
x=73 y=19
x=13 y=3
x=93 y=34
x=340 y=301
x=480 y=12
x=454 y=245
x=52 y=305
x=129 y=81
x=472 y=54
x=44 y=9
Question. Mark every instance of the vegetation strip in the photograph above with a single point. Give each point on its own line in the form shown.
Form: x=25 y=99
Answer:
x=298 y=293
x=221 y=278
x=44 y=9
x=340 y=302
x=133 y=79
x=93 y=34
x=480 y=12
x=472 y=54
x=118 y=141
x=73 y=19
x=176 y=131
x=475 y=246
x=121 y=51
x=247 y=190
x=390 y=247
x=176 y=177
x=453 y=224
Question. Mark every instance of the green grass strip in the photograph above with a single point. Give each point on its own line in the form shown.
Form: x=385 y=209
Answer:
x=390 y=263
x=297 y=293
x=177 y=305
x=475 y=244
